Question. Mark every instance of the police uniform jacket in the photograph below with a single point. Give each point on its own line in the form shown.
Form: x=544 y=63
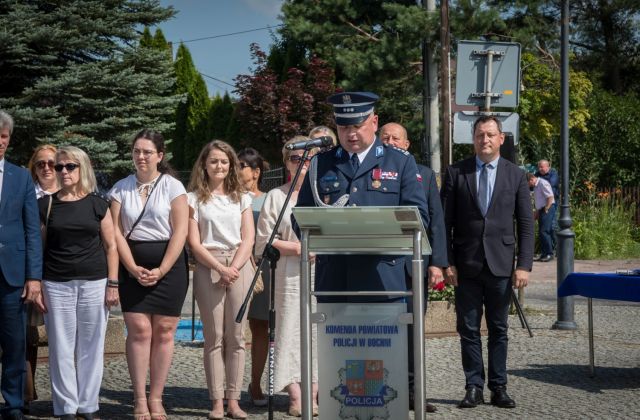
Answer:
x=387 y=177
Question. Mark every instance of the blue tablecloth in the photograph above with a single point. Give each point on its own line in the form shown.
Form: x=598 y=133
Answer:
x=601 y=286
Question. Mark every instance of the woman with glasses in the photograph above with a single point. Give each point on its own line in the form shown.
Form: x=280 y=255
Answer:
x=44 y=178
x=252 y=168
x=150 y=215
x=79 y=283
x=287 y=281
x=221 y=237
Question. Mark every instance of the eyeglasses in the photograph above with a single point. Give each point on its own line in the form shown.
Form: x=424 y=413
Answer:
x=42 y=163
x=70 y=167
x=144 y=153
x=244 y=165
x=297 y=159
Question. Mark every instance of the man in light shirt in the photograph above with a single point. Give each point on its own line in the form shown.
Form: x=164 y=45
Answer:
x=545 y=214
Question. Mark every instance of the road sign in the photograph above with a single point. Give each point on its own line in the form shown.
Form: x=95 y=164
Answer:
x=500 y=61
x=463 y=125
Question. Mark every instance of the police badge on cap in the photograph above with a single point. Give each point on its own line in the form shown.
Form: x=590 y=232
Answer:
x=351 y=108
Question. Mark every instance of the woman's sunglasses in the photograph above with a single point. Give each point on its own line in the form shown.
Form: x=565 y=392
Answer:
x=297 y=159
x=42 y=163
x=70 y=167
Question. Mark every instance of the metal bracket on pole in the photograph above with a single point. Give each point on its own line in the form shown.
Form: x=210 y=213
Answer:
x=487 y=94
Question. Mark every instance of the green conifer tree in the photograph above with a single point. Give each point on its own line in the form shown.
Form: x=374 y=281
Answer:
x=74 y=73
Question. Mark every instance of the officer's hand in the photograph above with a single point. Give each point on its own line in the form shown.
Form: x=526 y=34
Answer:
x=451 y=275
x=435 y=275
x=520 y=278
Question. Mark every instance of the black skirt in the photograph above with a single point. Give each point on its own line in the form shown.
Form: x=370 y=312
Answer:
x=165 y=297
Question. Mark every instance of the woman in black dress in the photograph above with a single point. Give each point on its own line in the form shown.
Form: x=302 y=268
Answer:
x=150 y=215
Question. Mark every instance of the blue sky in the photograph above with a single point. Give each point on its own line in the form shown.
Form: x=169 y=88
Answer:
x=224 y=57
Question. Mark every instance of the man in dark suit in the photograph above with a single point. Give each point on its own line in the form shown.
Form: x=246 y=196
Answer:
x=482 y=197
x=367 y=173
x=20 y=270
x=395 y=135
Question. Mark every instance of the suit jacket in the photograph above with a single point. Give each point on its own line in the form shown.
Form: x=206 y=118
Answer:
x=398 y=185
x=20 y=239
x=472 y=238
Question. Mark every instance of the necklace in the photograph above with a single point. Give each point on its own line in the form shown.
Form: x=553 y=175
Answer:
x=145 y=188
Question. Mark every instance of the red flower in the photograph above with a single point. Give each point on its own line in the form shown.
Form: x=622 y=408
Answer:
x=439 y=286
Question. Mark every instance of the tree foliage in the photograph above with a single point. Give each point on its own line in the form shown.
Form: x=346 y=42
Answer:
x=191 y=114
x=73 y=72
x=373 y=45
x=270 y=112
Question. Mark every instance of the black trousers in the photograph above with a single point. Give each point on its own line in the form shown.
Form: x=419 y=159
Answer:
x=494 y=295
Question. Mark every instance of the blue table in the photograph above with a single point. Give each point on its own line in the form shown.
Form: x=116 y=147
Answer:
x=600 y=286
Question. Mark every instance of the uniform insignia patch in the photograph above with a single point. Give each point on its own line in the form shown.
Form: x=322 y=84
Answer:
x=389 y=175
x=404 y=152
x=379 y=151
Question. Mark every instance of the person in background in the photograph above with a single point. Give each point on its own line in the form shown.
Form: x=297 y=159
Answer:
x=221 y=238
x=287 y=281
x=44 y=178
x=546 y=172
x=395 y=135
x=150 y=214
x=323 y=130
x=545 y=214
x=79 y=284
x=20 y=271
x=252 y=168
x=482 y=197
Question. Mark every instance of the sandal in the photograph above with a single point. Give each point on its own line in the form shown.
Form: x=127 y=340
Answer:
x=160 y=415
x=141 y=416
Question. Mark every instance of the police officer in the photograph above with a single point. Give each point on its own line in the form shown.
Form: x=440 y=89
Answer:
x=361 y=171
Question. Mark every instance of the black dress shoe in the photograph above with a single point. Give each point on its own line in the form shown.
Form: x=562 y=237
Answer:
x=500 y=398
x=472 y=398
x=546 y=258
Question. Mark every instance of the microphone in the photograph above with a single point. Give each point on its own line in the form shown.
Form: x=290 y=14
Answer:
x=323 y=141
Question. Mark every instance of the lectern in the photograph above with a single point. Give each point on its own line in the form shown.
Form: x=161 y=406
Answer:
x=372 y=231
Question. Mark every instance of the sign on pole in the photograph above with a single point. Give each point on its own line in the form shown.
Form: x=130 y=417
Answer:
x=463 y=125
x=488 y=74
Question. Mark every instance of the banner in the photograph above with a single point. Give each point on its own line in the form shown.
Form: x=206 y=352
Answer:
x=362 y=361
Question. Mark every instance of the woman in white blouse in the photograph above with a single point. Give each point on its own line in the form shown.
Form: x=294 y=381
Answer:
x=150 y=214
x=287 y=281
x=221 y=237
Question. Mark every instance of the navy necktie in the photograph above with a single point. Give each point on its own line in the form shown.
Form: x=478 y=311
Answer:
x=355 y=162
x=483 y=189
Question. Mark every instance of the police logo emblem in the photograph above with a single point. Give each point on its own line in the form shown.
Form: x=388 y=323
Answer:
x=346 y=99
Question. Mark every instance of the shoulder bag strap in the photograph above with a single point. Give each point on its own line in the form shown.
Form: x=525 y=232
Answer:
x=143 y=209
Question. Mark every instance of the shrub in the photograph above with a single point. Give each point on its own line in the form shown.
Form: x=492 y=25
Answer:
x=604 y=227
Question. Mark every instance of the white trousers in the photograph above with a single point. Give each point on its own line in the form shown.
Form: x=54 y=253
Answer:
x=76 y=322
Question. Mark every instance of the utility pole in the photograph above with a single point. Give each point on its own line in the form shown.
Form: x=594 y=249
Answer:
x=445 y=41
x=430 y=98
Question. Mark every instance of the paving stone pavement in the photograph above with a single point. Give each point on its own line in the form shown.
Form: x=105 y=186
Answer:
x=548 y=374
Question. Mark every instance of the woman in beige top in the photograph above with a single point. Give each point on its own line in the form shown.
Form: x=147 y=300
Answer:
x=221 y=238
x=287 y=290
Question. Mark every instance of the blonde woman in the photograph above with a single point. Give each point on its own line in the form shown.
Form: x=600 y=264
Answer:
x=287 y=291
x=44 y=178
x=150 y=214
x=221 y=238
x=79 y=284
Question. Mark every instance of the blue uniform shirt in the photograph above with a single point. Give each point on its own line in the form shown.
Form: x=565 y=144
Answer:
x=386 y=177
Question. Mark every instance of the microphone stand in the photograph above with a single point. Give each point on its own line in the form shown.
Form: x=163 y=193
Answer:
x=272 y=255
